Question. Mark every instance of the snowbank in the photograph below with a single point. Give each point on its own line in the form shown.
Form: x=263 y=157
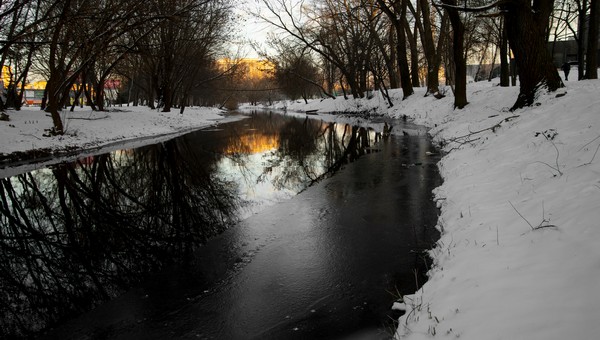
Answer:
x=121 y=127
x=519 y=255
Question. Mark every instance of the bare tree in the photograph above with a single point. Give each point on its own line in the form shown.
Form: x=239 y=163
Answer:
x=20 y=23
x=591 y=66
x=334 y=30
x=458 y=54
x=295 y=70
x=396 y=10
x=527 y=26
x=568 y=12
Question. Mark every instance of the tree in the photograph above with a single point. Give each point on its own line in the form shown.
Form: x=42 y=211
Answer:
x=333 y=30
x=78 y=34
x=504 y=65
x=527 y=25
x=591 y=66
x=20 y=23
x=432 y=51
x=294 y=70
x=458 y=55
x=527 y=28
x=570 y=11
x=396 y=12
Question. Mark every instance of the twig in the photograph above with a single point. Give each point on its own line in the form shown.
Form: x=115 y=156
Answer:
x=520 y=215
x=593 y=140
x=557 y=153
x=28 y=134
x=89 y=118
x=550 y=166
x=461 y=140
x=590 y=162
x=493 y=127
x=497 y=236
x=539 y=226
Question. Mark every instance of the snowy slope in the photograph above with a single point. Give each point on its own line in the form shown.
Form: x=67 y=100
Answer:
x=85 y=128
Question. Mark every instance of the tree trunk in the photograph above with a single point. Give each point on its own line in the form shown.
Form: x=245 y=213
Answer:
x=422 y=17
x=526 y=30
x=582 y=12
x=405 y=82
x=591 y=66
x=491 y=73
x=99 y=94
x=460 y=65
x=396 y=14
x=414 y=52
x=391 y=63
x=88 y=95
x=53 y=108
x=504 y=65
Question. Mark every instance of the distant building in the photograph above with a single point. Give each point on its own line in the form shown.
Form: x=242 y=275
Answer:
x=34 y=93
x=566 y=50
x=563 y=51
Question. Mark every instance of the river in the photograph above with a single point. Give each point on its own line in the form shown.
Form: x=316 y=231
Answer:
x=271 y=227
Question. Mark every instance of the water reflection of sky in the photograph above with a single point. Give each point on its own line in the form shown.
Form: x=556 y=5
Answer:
x=271 y=159
x=255 y=193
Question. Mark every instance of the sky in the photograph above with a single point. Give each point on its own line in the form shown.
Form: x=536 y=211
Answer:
x=252 y=29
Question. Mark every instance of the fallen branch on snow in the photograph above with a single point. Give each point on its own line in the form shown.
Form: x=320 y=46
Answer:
x=544 y=224
x=466 y=139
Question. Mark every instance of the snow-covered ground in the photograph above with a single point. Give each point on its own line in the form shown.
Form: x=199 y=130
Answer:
x=93 y=132
x=519 y=255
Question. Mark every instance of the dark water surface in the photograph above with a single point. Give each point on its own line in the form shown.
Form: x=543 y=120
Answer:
x=151 y=239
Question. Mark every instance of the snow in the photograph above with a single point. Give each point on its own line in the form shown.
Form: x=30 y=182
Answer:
x=93 y=132
x=519 y=254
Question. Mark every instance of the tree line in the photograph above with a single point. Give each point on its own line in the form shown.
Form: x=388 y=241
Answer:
x=362 y=44
x=166 y=50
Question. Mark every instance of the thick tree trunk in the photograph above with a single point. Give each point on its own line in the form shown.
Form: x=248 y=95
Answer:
x=99 y=94
x=591 y=66
x=58 y=127
x=460 y=64
x=166 y=98
x=526 y=29
x=405 y=82
x=88 y=96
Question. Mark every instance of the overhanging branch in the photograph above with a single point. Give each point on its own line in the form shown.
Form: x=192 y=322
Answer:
x=472 y=9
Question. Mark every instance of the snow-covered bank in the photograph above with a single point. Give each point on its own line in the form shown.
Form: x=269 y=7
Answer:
x=519 y=256
x=88 y=130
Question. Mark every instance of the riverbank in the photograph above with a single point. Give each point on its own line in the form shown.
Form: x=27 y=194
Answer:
x=23 y=140
x=519 y=255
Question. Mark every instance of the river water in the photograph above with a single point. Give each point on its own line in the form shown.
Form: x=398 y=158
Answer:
x=271 y=227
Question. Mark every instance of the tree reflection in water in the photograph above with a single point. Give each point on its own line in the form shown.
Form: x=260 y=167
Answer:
x=309 y=150
x=77 y=234
x=74 y=235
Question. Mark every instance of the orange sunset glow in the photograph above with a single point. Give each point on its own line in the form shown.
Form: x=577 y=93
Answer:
x=252 y=143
